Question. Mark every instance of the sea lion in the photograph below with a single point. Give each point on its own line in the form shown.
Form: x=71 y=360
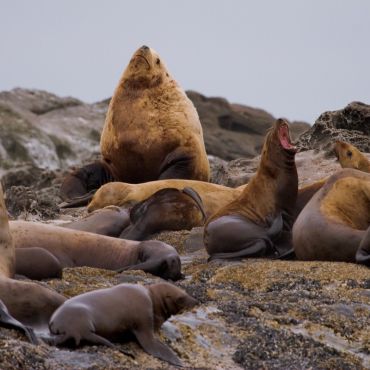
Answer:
x=22 y=303
x=152 y=131
x=334 y=225
x=258 y=222
x=167 y=209
x=109 y=221
x=105 y=313
x=121 y=194
x=350 y=157
x=74 y=248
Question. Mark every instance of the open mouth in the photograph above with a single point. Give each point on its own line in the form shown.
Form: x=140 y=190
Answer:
x=284 y=138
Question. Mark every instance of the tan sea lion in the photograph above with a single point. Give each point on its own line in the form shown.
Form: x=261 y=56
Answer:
x=122 y=194
x=152 y=131
x=350 y=157
x=22 y=303
x=258 y=222
x=74 y=248
x=105 y=313
x=334 y=225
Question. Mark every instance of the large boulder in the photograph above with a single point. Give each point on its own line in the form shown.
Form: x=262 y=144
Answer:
x=233 y=130
x=351 y=124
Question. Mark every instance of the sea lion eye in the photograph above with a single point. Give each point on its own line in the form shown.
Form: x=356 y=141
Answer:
x=349 y=154
x=157 y=61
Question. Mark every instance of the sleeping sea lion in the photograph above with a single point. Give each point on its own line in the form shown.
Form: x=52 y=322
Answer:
x=121 y=194
x=22 y=303
x=334 y=225
x=73 y=248
x=258 y=222
x=152 y=131
x=350 y=157
x=105 y=313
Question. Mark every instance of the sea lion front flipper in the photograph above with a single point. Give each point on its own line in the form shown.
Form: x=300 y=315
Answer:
x=363 y=251
x=152 y=266
x=196 y=197
x=85 y=179
x=97 y=339
x=8 y=320
x=177 y=165
x=257 y=248
x=156 y=348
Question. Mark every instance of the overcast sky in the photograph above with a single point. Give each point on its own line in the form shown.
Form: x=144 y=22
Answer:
x=293 y=58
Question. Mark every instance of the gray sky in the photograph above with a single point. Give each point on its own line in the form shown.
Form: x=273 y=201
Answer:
x=294 y=58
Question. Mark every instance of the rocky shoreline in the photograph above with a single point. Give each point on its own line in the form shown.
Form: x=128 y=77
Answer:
x=253 y=314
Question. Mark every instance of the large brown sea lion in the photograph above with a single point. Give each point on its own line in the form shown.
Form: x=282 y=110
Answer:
x=72 y=248
x=152 y=131
x=121 y=194
x=21 y=303
x=259 y=221
x=334 y=225
x=110 y=312
x=350 y=157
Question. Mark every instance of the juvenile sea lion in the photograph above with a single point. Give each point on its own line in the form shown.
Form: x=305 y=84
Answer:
x=122 y=194
x=334 y=225
x=167 y=209
x=258 y=222
x=152 y=131
x=74 y=248
x=22 y=303
x=350 y=157
x=105 y=313
x=109 y=221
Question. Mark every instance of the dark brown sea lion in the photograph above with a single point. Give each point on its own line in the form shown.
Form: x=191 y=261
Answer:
x=334 y=225
x=74 y=248
x=258 y=223
x=152 y=131
x=350 y=157
x=167 y=209
x=22 y=303
x=106 y=313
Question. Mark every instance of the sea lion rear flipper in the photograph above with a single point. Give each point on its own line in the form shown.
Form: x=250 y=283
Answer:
x=177 y=165
x=80 y=201
x=7 y=320
x=196 y=197
x=363 y=251
x=156 y=348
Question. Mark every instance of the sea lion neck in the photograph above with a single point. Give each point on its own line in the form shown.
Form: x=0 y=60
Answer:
x=161 y=311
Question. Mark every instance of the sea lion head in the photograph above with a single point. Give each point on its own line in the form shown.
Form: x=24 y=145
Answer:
x=278 y=146
x=347 y=155
x=169 y=300
x=146 y=69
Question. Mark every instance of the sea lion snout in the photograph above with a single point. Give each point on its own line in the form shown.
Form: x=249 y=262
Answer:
x=144 y=48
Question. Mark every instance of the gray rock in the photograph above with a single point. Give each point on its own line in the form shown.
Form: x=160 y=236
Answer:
x=351 y=124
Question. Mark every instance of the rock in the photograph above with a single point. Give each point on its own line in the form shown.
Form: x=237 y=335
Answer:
x=233 y=130
x=351 y=124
